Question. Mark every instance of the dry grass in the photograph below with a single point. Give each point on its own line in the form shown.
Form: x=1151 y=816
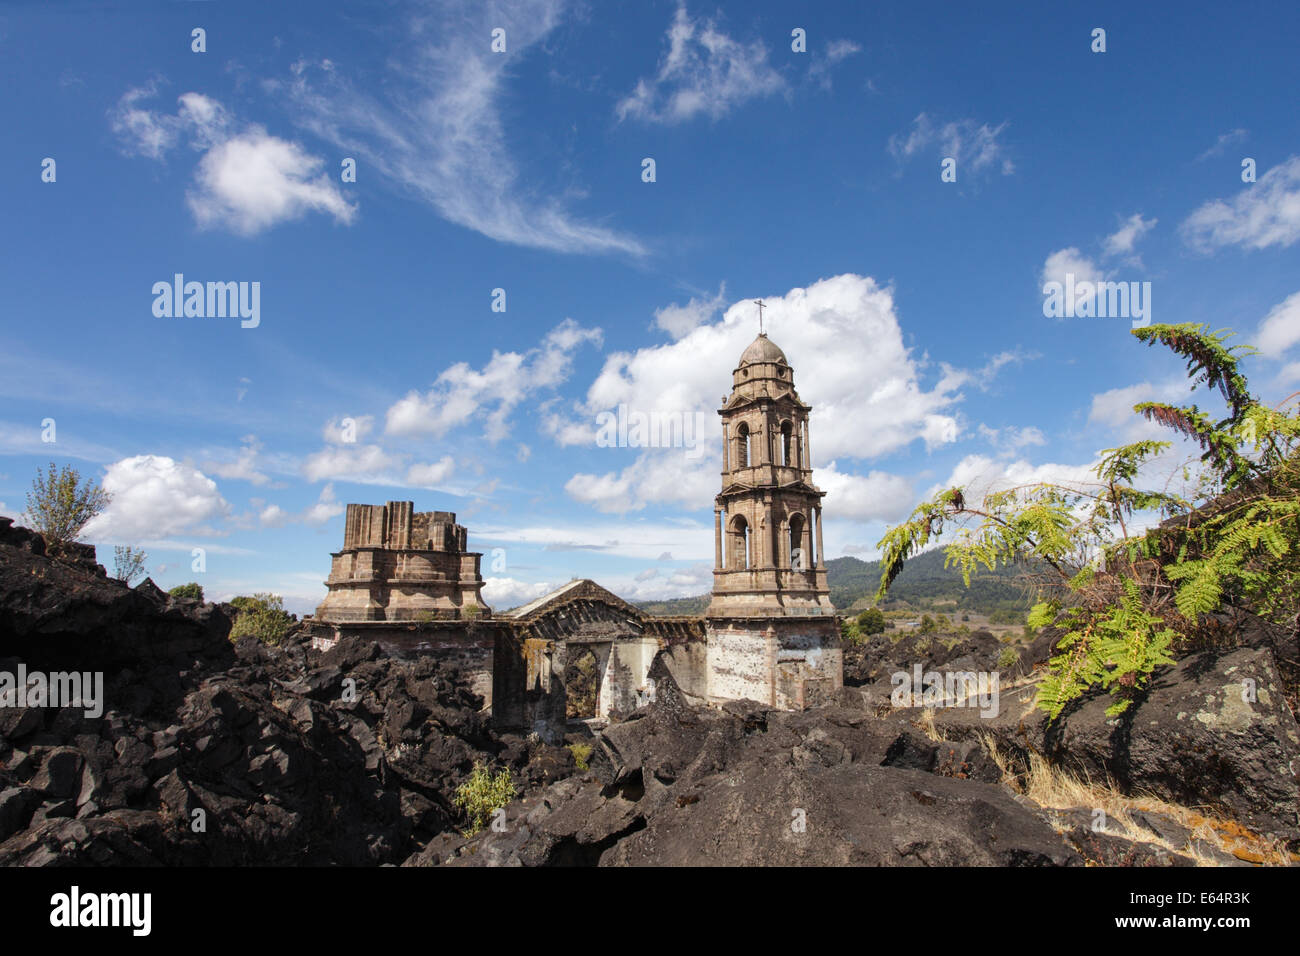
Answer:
x=1053 y=788
x=926 y=722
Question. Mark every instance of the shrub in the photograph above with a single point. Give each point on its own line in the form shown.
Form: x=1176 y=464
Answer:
x=128 y=563
x=580 y=754
x=482 y=795
x=871 y=621
x=261 y=616
x=1129 y=592
x=1008 y=657
x=191 y=591
x=60 y=504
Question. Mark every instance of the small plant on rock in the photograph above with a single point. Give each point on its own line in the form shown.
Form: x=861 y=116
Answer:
x=581 y=752
x=482 y=795
x=188 y=592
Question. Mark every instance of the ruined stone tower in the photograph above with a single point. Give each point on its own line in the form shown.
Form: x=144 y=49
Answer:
x=401 y=565
x=772 y=633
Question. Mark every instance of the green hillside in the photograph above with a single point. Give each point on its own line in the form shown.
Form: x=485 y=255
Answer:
x=924 y=585
x=693 y=606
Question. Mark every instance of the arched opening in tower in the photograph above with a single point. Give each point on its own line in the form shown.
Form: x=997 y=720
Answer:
x=742 y=446
x=787 y=443
x=738 y=557
x=798 y=554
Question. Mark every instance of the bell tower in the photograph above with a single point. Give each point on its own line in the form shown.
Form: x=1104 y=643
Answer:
x=768 y=554
x=771 y=631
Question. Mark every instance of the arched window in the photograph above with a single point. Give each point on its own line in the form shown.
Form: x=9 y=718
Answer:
x=742 y=445
x=787 y=443
x=798 y=555
x=738 y=552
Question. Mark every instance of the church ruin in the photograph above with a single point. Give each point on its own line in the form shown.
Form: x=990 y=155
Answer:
x=401 y=565
x=770 y=633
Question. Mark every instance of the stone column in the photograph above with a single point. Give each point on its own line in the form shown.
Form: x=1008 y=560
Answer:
x=821 y=559
x=717 y=538
x=726 y=449
x=807 y=444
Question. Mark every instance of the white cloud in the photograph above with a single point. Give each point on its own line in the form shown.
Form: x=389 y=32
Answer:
x=244 y=467
x=324 y=509
x=143 y=132
x=659 y=476
x=436 y=130
x=461 y=393
x=974 y=145
x=505 y=593
x=272 y=516
x=876 y=496
x=155 y=496
x=1263 y=214
x=661 y=584
x=253 y=181
x=607 y=492
x=1280 y=329
x=245 y=182
x=678 y=320
x=430 y=475
x=704 y=71
x=979 y=475
x=1122 y=241
x=1009 y=440
x=1114 y=407
x=843 y=339
x=367 y=464
x=347 y=429
x=1070 y=261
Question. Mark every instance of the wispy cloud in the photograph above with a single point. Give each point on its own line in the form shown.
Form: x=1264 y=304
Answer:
x=462 y=393
x=433 y=126
x=1263 y=214
x=972 y=144
x=704 y=72
x=1223 y=142
x=1123 y=240
x=822 y=62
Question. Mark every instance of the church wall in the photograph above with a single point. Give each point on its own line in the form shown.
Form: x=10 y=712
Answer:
x=739 y=662
x=623 y=687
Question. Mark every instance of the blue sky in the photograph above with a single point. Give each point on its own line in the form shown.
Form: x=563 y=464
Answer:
x=911 y=308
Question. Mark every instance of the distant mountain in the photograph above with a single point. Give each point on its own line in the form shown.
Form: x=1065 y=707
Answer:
x=924 y=585
x=693 y=606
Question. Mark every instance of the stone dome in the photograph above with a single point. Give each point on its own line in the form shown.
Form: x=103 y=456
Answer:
x=762 y=349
